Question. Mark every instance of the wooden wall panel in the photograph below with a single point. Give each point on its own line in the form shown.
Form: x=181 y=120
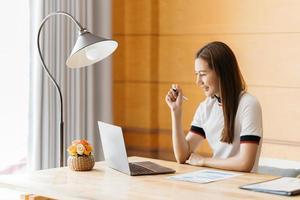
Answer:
x=165 y=149
x=277 y=149
x=142 y=152
x=228 y=16
x=141 y=138
x=281 y=112
x=135 y=17
x=135 y=105
x=138 y=58
x=134 y=57
x=260 y=65
x=158 y=41
x=267 y=59
x=118 y=15
x=141 y=105
x=135 y=70
x=141 y=58
x=176 y=57
x=119 y=108
x=119 y=60
x=166 y=155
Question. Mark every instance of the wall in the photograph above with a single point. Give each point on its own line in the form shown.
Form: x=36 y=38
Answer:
x=158 y=40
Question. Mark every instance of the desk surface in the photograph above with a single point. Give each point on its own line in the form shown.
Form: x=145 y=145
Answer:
x=105 y=183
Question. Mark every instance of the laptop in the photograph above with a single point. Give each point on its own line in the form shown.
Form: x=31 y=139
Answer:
x=116 y=157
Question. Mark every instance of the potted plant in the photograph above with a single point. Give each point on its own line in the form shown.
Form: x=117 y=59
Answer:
x=80 y=156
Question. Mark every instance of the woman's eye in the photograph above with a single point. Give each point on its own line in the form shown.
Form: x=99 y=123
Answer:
x=200 y=74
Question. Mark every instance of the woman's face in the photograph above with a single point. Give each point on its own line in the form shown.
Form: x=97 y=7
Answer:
x=207 y=78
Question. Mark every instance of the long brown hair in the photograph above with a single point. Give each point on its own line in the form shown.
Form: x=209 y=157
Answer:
x=222 y=60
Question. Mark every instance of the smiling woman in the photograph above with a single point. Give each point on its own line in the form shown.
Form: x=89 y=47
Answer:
x=229 y=118
x=14 y=87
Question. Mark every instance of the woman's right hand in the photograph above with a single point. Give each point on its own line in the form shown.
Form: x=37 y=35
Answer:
x=174 y=98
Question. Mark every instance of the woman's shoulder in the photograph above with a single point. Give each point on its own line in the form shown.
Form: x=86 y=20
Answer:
x=207 y=104
x=248 y=99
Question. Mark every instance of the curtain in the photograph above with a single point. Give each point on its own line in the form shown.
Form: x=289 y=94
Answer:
x=86 y=91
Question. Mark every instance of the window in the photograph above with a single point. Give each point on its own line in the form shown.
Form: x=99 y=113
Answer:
x=14 y=84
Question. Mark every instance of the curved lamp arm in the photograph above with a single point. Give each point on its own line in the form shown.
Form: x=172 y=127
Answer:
x=88 y=50
x=52 y=78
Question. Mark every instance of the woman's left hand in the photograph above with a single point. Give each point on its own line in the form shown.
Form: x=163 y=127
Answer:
x=196 y=159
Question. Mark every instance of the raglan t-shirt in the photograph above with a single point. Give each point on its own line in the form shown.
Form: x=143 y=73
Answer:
x=208 y=122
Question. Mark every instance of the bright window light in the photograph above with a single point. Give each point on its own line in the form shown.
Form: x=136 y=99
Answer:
x=14 y=84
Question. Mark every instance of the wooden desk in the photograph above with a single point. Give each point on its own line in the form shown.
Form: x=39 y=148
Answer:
x=105 y=183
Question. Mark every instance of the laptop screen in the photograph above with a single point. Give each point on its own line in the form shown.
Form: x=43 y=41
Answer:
x=113 y=147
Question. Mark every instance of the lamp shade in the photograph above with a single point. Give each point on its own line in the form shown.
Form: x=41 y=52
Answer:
x=90 y=49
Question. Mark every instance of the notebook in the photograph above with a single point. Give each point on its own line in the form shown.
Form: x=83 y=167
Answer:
x=287 y=186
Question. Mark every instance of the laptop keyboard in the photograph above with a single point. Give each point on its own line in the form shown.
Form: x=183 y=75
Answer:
x=136 y=169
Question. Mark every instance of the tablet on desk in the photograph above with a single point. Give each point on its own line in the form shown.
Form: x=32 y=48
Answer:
x=286 y=186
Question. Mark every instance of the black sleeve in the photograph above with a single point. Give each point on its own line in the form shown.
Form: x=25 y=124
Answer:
x=250 y=139
x=198 y=130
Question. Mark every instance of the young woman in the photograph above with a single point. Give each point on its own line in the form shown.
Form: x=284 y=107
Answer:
x=229 y=118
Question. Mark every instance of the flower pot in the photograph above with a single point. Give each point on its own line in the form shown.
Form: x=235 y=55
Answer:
x=81 y=163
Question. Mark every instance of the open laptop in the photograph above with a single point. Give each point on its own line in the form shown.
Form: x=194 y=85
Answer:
x=116 y=157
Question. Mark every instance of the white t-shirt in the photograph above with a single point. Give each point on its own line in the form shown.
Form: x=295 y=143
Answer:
x=209 y=122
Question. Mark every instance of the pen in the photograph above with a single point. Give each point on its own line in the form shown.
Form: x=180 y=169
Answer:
x=175 y=90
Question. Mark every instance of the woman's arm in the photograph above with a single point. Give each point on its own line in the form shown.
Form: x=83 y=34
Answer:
x=243 y=161
x=182 y=146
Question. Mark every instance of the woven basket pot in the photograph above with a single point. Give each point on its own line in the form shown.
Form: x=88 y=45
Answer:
x=81 y=163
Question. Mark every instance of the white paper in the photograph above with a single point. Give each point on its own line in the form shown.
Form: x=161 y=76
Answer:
x=204 y=176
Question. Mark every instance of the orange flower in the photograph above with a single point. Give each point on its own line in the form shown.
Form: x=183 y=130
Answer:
x=80 y=147
x=72 y=150
x=84 y=142
x=89 y=148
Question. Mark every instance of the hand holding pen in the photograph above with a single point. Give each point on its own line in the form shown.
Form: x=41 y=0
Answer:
x=176 y=92
x=173 y=94
x=172 y=98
